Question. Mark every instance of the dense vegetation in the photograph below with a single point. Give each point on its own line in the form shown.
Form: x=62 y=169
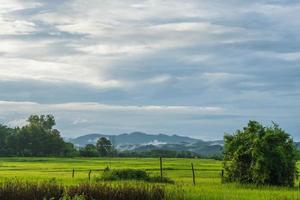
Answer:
x=261 y=155
x=20 y=190
x=37 y=138
x=155 y=153
x=132 y=174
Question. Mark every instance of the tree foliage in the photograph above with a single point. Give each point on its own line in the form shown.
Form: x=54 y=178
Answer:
x=104 y=147
x=260 y=155
x=89 y=150
x=37 y=138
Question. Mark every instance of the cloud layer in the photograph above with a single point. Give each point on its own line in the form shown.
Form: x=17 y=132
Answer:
x=197 y=68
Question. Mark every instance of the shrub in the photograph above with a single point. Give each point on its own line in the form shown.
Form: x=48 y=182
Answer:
x=131 y=174
x=260 y=155
x=124 y=174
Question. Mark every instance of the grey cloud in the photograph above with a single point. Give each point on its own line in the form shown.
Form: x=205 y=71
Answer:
x=242 y=56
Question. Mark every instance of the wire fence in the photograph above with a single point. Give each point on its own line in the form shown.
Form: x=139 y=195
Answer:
x=162 y=170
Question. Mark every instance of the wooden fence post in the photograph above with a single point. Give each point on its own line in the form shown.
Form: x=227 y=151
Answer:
x=73 y=173
x=193 y=171
x=222 y=175
x=161 y=169
x=298 y=179
x=90 y=174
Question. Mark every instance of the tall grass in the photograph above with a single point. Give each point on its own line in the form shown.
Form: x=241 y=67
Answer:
x=121 y=192
x=19 y=190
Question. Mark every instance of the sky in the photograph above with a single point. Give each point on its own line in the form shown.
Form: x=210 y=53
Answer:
x=198 y=68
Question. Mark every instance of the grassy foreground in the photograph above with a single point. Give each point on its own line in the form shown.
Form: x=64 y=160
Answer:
x=208 y=181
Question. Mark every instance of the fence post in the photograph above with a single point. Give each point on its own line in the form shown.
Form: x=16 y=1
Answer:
x=298 y=179
x=90 y=174
x=222 y=175
x=161 y=169
x=73 y=173
x=193 y=171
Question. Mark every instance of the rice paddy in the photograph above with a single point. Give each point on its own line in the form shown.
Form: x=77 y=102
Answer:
x=208 y=175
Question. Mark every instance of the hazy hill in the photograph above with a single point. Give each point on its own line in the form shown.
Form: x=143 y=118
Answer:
x=133 y=138
x=139 y=141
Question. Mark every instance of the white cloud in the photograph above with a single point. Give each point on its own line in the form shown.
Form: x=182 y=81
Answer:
x=114 y=32
x=12 y=25
x=160 y=79
x=19 y=48
x=28 y=69
x=16 y=27
x=113 y=49
x=7 y=106
x=15 y=5
x=290 y=56
x=79 y=121
x=17 y=122
x=194 y=26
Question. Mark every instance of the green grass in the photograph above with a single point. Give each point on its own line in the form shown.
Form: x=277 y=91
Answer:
x=208 y=181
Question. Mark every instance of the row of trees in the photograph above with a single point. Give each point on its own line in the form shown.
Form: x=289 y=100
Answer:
x=103 y=148
x=39 y=138
x=106 y=149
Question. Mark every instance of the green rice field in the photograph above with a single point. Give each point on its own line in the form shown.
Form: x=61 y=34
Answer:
x=208 y=175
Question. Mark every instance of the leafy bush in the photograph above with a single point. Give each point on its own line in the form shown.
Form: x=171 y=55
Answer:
x=131 y=174
x=124 y=174
x=260 y=155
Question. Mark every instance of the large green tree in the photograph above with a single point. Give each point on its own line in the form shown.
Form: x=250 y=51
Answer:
x=260 y=155
x=89 y=150
x=104 y=147
x=5 y=132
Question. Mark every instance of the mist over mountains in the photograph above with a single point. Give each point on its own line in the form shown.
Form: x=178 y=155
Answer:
x=138 y=141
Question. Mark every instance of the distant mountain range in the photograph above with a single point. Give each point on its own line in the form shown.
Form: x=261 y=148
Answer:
x=138 y=141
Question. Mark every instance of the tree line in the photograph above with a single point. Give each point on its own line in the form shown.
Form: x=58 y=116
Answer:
x=39 y=138
x=104 y=148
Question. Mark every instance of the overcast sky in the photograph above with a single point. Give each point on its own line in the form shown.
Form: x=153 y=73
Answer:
x=197 y=67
